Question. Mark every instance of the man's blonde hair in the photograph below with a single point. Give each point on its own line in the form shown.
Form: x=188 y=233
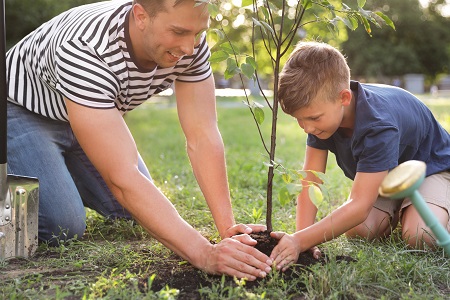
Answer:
x=313 y=69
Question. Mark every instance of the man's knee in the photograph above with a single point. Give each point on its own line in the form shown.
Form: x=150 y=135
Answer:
x=56 y=230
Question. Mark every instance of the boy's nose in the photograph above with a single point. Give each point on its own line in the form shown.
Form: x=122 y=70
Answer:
x=307 y=128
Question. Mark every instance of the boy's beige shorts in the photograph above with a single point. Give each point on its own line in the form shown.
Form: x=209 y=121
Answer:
x=435 y=189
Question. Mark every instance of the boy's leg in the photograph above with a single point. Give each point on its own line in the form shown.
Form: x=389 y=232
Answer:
x=93 y=189
x=35 y=147
x=436 y=192
x=382 y=219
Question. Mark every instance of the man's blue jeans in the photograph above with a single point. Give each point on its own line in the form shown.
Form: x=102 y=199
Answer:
x=47 y=149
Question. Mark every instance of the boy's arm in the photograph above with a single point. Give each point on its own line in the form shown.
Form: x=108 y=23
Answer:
x=353 y=212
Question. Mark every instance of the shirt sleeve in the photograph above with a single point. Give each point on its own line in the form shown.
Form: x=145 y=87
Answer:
x=83 y=77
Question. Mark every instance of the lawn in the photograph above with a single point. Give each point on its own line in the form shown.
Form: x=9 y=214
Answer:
x=119 y=260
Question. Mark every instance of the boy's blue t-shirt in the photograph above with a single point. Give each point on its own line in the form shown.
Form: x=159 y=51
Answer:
x=391 y=126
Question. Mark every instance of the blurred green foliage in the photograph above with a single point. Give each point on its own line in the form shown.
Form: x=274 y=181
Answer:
x=23 y=16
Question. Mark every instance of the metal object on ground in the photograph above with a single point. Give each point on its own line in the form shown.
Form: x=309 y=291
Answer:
x=19 y=195
x=403 y=181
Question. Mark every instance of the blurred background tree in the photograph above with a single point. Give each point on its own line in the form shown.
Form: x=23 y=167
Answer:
x=420 y=43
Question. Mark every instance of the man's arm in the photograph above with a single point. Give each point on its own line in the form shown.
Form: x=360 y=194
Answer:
x=196 y=103
x=104 y=136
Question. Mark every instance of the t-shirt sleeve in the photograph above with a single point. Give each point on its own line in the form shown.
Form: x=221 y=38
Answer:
x=83 y=77
x=377 y=149
x=200 y=68
x=317 y=143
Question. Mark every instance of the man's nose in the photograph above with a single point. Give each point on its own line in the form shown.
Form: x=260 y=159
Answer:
x=188 y=45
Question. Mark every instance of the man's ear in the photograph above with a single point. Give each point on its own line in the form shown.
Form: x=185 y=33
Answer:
x=140 y=16
x=346 y=96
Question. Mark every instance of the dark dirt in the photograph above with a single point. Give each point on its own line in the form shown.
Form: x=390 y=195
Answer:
x=173 y=272
x=189 y=280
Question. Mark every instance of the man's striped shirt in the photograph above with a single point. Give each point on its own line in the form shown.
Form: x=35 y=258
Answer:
x=85 y=55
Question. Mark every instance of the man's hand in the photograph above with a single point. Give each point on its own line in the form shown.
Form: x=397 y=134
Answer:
x=234 y=258
x=286 y=252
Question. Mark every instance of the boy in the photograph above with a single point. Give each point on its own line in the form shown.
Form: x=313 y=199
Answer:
x=371 y=128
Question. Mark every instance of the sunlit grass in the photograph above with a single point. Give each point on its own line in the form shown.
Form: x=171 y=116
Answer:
x=113 y=257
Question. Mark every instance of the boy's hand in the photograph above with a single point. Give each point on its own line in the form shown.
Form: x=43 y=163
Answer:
x=286 y=252
x=315 y=251
x=241 y=232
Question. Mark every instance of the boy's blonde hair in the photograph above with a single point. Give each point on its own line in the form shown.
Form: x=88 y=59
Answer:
x=313 y=69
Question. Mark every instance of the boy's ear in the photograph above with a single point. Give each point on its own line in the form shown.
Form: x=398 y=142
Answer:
x=346 y=96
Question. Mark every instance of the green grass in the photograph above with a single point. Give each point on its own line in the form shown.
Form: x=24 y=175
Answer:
x=114 y=260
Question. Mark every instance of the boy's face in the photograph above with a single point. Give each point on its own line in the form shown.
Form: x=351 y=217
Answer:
x=322 y=118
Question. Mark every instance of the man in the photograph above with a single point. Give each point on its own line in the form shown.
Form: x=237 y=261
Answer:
x=71 y=81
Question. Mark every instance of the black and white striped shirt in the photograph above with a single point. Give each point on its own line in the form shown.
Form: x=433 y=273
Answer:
x=84 y=55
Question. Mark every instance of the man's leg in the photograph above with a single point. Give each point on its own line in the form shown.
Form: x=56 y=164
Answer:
x=93 y=189
x=35 y=147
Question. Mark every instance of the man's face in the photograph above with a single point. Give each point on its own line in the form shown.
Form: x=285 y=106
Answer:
x=171 y=34
x=321 y=118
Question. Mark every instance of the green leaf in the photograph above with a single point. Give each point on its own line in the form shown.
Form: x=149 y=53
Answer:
x=258 y=24
x=307 y=4
x=365 y=22
x=286 y=178
x=267 y=27
x=251 y=60
x=301 y=174
x=315 y=194
x=354 y=21
x=218 y=32
x=319 y=175
x=213 y=10
x=265 y=12
x=232 y=68
x=247 y=70
x=283 y=196
x=386 y=19
x=227 y=48
x=218 y=56
x=259 y=114
x=346 y=7
x=347 y=22
x=246 y=3
x=361 y=3
x=294 y=188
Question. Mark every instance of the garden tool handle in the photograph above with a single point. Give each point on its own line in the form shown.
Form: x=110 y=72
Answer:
x=441 y=233
x=3 y=91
